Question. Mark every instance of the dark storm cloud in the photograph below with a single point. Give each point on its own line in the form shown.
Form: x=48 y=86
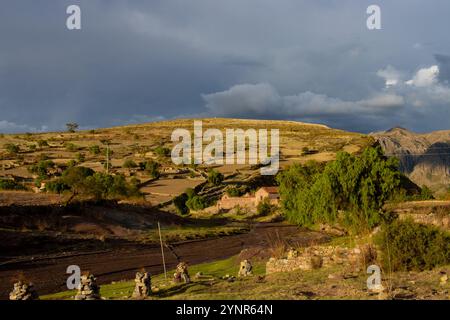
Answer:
x=149 y=60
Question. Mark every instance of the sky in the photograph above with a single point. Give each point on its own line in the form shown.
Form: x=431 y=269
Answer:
x=139 y=61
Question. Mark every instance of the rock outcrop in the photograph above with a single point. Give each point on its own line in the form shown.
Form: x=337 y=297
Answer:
x=424 y=158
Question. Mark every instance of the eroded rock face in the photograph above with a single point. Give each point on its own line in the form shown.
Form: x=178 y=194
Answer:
x=245 y=269
x=23 y=291
x=143 y=285
x=182 y=274
x=88 y=289
x=424 y=158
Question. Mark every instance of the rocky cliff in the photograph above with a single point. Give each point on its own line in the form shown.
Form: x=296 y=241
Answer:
x=424 y=158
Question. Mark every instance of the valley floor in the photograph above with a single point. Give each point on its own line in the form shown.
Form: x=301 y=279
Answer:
x=326 y=283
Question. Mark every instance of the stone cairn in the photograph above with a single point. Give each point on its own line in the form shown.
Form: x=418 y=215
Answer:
x=245 y=269
x=88 y=289
x=181 y=274
x=143 y=287
x=23 y=291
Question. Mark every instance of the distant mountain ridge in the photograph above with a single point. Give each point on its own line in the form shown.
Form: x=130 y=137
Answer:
x=424 y=157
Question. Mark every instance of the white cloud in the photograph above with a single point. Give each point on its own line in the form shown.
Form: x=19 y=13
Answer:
x=425 y=77
x=263 y=99
x=391 y=76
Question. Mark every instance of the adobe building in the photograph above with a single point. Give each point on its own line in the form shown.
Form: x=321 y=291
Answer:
x=248 y=201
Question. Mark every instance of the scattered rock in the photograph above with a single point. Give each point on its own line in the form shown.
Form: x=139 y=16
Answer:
x=143 y=286
x=88 y=289
x=23 y=291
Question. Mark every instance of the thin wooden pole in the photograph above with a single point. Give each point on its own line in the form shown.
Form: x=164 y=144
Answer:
x=162 y=251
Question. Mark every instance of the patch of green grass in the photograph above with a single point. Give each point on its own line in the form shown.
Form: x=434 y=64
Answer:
x=123 y=289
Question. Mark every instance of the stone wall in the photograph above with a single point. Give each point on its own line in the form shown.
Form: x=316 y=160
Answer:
x=439 y=220
x=322 y=256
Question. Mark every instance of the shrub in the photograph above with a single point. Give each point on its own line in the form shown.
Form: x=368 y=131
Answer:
x=264 y=207
x=42 y=143
x=12 y=148
x=7 y=184
x=426 y=193
x=215 y=178
x=152 y=167
x=180 y=204
x=80 y=157
x=410 y=246
x=85 y=181
x=162 y=151
x=237 y=191
x=95 y=150
x=190 y=193
x=70 y=147
x=56 y=186
x=41 y=169
x=128 y=164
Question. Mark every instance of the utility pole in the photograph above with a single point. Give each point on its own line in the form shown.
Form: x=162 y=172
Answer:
x=107 y=158
x=162 y=251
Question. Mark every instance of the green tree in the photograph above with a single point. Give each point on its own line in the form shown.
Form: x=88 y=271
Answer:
x=72 y=127
x=350 y=190
x=152 y=167
x=215 y=177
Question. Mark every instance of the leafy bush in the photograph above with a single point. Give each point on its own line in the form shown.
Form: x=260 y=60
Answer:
x=350 y=190
x=42 y=143
x=80 y=157
x=180 y=204
x=87 y=182
x=71 y=147
x=56 y=186
x=12 y=148
x=152 y=167
x=426 y=194
x=162 y=151
x=128 y=164
x=197 y=203
x=95 y=150
x=215 y=178
x=7 y=184
x=410 y=246
x=237 y=191
x=41 y=169
x=265 y=207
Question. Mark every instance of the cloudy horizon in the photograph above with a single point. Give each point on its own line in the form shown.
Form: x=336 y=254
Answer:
x=139 y=61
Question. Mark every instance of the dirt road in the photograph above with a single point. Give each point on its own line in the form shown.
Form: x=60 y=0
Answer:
x=49 y=273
